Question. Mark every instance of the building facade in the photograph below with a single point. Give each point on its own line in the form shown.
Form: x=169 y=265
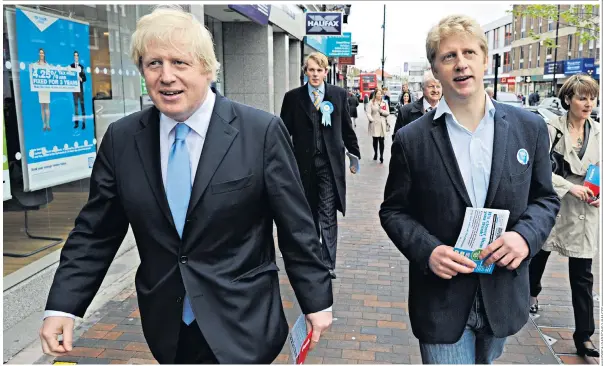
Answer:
x=499 y=35
x=532 y=64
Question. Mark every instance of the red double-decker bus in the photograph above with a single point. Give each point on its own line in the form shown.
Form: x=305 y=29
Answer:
x=368 y=83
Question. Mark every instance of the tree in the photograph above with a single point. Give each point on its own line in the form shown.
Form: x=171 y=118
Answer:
x=585 y=18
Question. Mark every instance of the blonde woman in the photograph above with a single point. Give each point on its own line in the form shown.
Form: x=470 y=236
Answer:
x=44 y=96
x=576 y=231
x=377 y=113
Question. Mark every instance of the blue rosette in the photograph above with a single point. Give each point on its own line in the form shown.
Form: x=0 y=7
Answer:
x=326 y=108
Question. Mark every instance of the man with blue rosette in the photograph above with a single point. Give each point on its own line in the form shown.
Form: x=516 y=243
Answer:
x=318 y=119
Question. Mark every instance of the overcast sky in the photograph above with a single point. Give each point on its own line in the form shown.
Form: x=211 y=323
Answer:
x=406 y=27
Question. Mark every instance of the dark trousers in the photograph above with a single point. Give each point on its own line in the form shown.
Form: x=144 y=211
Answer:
x=581 y=283
x=325 y=213
x=79 y=97
x=192 y=346
x=380 y=143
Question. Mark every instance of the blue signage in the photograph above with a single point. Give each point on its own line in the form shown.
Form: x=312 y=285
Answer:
x=324 y=23
x=57 y=120
x=553 y=67
x=257 y=13
x=319 y=43
x=339 y=46
x=579 y=65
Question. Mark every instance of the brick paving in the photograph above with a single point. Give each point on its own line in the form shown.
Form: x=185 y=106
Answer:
x=371 y=322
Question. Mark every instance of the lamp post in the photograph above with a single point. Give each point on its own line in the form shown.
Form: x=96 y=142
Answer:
x=555 y=57
x=383 y=52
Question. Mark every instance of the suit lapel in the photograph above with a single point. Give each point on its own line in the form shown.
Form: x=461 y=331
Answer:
x=218 y=139
x=499 y=152
x=306 y=101
x=442 y=141
x=147 y=143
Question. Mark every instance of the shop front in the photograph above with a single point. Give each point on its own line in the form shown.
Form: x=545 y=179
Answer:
x=67 y=76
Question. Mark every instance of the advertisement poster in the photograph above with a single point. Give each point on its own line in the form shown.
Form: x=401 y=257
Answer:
x=6 y=176
x=57 y=120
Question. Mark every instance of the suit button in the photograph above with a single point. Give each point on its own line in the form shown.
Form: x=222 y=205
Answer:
x=183 y=259
x=581 y=217
x=179 y=300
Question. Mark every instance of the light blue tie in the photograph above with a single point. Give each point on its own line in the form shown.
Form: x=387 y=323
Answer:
x=179 y=193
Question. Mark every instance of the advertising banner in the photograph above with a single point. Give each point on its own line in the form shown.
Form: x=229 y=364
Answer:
x=5 y=175
x=56 y=120
x=324 y=23
x=579 y=65
x=338 y=46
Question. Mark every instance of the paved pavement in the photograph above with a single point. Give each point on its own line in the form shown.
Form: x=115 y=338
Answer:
x=371 y=322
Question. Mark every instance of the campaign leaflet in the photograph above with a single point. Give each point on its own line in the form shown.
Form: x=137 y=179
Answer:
x=299 y=341
x=592 y=181
x=480 y=228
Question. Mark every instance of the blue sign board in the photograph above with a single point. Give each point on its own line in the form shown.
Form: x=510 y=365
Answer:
x=257 y=13
x=324 y=23
x=58 y=139
x=553 y=67
x=579 y=65
x=339 y=46
x=319 y=43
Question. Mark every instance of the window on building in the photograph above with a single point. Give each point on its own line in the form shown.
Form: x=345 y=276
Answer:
x=539 y=25
x=530 y=58
x=506 y=61
x=521 y=58
x=523 y=27
x=495 y=38
x=538 y=55
x=551 y=26
x=570 y=41
x=508 y=35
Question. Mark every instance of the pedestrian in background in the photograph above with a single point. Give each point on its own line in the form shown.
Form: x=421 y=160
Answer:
x=576 y=232
x=432 y=92
x=208 y=291
x=378 y=126
x=321 y=129
x=353 y=105
x=469 y=152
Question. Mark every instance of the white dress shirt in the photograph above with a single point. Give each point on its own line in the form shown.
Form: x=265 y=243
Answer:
x=199 y=124
x=473 y=150
x=426 y=105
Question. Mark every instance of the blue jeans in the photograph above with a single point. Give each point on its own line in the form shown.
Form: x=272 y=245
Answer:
x=477 y=344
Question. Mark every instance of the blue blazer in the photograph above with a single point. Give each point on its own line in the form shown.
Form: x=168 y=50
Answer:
x=424 y=206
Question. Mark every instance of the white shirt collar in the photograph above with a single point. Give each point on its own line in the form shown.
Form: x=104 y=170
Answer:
x=426 y=104
x=444 y=108
x=198 y=121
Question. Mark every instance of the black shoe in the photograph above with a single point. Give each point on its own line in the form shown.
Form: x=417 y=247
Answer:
x=332 y=273
x=83 y=125
x=586 y=349
x=77 y=124
x=375 y=157
x=381 y=160
x=534 y=308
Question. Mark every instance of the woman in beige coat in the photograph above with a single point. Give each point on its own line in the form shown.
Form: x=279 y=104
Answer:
x=576 y=231
x=377 y=112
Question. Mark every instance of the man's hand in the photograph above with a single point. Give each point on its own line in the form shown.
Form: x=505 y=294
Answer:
x=595 y=203
x=51 y=328
x=353 y=169
x=506 y=251
x=318 y=323
x=446 y=263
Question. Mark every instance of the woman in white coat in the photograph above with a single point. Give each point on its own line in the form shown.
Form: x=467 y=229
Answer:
x=377 y=112
x=576 y=231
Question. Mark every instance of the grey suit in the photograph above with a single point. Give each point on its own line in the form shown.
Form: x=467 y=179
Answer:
x=424 y=206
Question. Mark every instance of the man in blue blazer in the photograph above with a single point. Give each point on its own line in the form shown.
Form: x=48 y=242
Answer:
x=470 y=152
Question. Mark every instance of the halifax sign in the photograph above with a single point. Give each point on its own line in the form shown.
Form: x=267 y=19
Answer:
x=324 y=23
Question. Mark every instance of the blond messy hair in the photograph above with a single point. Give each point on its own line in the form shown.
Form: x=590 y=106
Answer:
x=319 y=58
x=454 y=25
x=579 y=84
x=168 y=26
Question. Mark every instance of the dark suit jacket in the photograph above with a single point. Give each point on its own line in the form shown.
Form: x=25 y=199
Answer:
x=424 y=206
x=247 y=177
x=296 y=113
x=408 y=113
x=82 y=74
